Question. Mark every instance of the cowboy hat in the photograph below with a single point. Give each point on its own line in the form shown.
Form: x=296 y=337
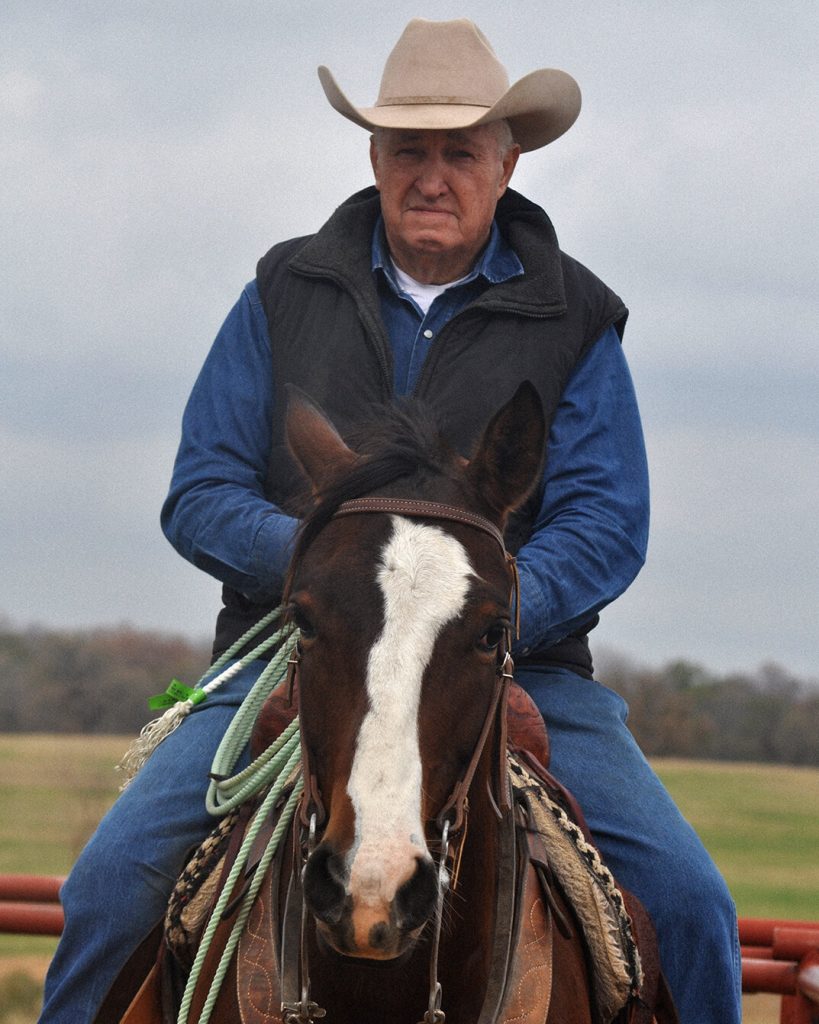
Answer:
x=444 y=75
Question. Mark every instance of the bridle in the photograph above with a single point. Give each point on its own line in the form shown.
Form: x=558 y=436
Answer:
x=454 y=808
x=451 y=819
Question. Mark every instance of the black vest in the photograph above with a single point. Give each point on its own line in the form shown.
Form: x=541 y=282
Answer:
x=326 y=333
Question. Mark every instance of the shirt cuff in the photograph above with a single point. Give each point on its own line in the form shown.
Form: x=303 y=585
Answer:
x=534 y=613
x=272 y=550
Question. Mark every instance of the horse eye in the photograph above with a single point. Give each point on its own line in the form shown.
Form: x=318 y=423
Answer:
x=302 y=623
x=492 y=637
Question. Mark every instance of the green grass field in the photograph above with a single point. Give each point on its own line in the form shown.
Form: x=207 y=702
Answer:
x=761 y=825
x=759 y=822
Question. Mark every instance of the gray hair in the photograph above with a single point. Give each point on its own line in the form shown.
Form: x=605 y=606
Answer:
x=503 y=135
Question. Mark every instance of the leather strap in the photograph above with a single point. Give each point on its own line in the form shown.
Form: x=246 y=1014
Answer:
x=146 y=1006
x=415 y=508
x=422 y=510
x=528 y=993
x=454 y=808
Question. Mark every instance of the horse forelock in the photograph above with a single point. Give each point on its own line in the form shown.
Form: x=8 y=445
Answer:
x=400 y=442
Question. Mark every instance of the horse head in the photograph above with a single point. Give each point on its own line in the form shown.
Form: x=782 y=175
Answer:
x=404 y=623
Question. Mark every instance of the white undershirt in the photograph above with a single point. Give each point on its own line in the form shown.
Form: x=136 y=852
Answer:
x=423 y=294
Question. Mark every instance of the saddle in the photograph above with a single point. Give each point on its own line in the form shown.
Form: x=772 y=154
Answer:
x=557 y=888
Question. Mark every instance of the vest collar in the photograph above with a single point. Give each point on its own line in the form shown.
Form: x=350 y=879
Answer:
x=342 y=250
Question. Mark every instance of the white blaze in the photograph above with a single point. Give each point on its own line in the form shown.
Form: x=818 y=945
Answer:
x=424 y=578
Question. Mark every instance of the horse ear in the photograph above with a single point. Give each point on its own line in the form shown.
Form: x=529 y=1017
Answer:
x=507 y=463
x=315 y=443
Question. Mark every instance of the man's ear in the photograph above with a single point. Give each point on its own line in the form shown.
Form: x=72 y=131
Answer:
x=374 y=161
x=314 y=441
x=510 y=160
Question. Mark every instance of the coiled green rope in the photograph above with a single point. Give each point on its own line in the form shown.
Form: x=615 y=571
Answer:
x=160 y=728
x=227 y=791
x=271 y=771
x=238 y=868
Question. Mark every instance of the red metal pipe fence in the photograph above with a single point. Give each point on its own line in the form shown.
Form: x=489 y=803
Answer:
x=781 y=957
x=30 y=905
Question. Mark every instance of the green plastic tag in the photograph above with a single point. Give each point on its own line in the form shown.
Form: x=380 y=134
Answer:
x=176 y=692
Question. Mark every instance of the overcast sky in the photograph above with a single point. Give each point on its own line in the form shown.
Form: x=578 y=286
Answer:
x=152 y=151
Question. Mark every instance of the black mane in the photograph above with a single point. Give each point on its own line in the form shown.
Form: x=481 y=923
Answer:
x=400 y=440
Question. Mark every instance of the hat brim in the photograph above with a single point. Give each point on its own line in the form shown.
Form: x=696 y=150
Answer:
x=539 y=107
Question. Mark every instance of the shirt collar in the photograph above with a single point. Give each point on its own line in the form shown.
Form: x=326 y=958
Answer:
x=498 y=262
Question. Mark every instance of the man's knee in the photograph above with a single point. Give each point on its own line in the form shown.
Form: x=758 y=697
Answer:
x=693 y=896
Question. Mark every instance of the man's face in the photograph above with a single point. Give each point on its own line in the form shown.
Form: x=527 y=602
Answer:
x=438 y=191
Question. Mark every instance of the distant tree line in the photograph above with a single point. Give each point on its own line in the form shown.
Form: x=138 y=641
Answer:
x=94 y=681
x=682 y=710
x=98 y=681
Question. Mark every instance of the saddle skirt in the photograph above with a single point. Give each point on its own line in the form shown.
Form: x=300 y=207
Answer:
x=559 y=846
x=556 y=855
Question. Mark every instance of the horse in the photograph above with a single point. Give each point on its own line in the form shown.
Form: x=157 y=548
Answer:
x=413 y=887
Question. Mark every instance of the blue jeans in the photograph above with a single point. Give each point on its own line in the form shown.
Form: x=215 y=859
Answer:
x=120 y=884
x=119 y=887
x=645 y=841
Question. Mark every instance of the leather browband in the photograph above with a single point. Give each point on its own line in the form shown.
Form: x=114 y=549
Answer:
x=437 y=510
x=422 y=509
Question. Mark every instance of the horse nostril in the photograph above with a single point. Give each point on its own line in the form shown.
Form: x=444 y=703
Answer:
x=415 y=900
x=379 y=935
x=323 y=889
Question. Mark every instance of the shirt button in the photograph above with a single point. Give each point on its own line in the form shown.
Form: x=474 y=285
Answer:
x=427 y=333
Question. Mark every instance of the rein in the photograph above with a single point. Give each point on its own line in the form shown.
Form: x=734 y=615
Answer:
x=452 y=817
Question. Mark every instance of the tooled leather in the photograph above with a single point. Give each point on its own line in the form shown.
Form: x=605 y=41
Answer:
x=257 y=970
x=529 y=980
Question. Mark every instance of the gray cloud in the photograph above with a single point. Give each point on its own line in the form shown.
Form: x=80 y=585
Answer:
x=152 y=153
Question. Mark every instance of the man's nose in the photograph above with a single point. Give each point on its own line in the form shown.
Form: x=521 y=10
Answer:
x=431 y=179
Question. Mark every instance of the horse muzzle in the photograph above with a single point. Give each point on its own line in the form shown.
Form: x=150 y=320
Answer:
x=369 y=911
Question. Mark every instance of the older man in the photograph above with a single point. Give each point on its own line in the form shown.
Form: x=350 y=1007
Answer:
x=441 y=283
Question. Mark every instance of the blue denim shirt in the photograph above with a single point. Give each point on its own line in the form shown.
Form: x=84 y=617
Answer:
x=410 y=331
x=591 y=533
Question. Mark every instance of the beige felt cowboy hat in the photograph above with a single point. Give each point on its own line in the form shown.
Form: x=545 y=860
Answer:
x=444 y=74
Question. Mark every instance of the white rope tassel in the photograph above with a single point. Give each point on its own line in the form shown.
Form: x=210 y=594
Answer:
x=155 y=731
x=152 y=734
x=160 y=728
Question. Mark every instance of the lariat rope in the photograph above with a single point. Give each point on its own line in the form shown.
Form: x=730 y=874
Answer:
x=160 y=728
x=280 y=830
x=271 y=771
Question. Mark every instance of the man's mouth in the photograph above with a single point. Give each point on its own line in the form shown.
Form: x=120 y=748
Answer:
x=431 y=211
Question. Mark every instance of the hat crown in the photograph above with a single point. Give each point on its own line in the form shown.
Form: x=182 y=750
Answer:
x=448 y=62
